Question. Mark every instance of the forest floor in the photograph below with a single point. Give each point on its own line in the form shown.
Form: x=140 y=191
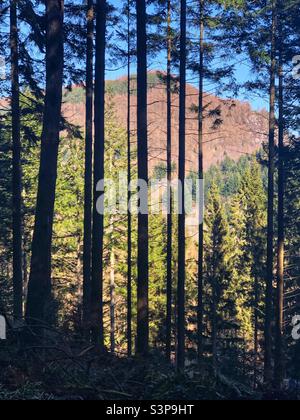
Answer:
x=69 y=371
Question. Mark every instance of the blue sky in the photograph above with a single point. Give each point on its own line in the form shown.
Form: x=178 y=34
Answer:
x=243 y=74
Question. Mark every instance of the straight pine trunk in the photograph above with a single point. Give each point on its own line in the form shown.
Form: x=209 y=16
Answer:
x=214 y=334
x=16 y=162
x=270 y=231
x=112 y=302
x=169 y=176
x=129 y=219
x=87 y=240
x=279 y=351
x=142 y=138
x=39 y=288
x=98 y=217
x=200 y=176
x=256 y=331
x=181 y=216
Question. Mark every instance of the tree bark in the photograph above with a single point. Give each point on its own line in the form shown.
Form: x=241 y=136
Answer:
x=279 y=356
x=39 y=288
x=214 y=333
x=129 y=218
x=16 y=162
x=169 y=180
x=181 y=216
x=142 y=136
x=200 y=176
x=98 y=217
x=87 y=240
x=270 y=232
x=112 y=302
x=256 y=330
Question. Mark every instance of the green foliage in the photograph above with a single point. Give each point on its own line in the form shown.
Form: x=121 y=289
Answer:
x=228 y=175
x=235 y=257
x=5 y=226
x=248 y=219
x=292 y=220
x=157 y=277
x=76 y=95
x=219 y=274
x=116 y=232
x=160 y=171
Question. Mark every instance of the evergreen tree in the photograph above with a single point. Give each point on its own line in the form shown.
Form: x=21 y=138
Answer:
x=169 y=178
x=181 y=167
x=129 y=218
x=270 y=232
x=254 y=203
x=17 y=183
x=142 y=141
x=39 y=287
x=87 y=246
x=292 y=276
x=248 y=225
x=216 y=247
x=99 y=145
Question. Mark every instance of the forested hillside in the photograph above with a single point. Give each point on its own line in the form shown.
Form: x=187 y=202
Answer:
x=150 y=224
x=233 y=129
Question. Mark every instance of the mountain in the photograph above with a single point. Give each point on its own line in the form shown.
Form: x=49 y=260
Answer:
x=239 y=130
x=235 y=130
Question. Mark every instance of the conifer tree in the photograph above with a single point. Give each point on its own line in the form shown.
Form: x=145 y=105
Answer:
x=142 y=139
x=270 y=232
x=169 y=178
x=254 y=202
x=99 y=145
x=17 y=183
x=181 y=217
x=247 y=253
x=200 y=177
x=129 y=166
x=87 y=244
x=216 y=247
x=39 y=287
x=279 y=351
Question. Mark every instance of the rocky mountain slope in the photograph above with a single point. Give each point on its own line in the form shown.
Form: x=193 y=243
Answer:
x=234 y=130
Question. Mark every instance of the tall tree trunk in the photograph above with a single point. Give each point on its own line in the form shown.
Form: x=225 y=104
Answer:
x=112 y=302
x=181 y=216
x=279 y=356
x=112 y=283
x=87 y=239
x=214 y=327
x=39 y=288
x=200 y=176
x=25 y=266
x=129 y=219
x=256 y=330
x=142 y=135
x=270 y=233
x=17 y=170
x=98 y=217
x=169 y=179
